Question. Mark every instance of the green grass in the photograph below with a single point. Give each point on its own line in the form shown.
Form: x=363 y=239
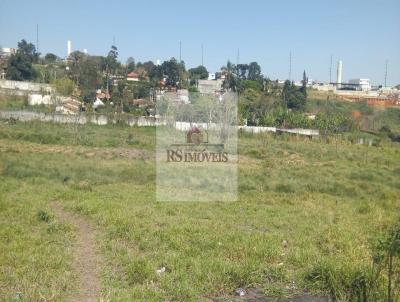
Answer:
x=330 y=204
x=373 y=118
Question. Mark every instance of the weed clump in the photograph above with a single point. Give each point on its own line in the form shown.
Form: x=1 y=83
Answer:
x=43 y=216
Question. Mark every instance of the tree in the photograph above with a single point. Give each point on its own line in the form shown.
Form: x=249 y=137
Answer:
x=111 y=60
x=155 y=75
x=286 y=91
x=296 y=100
x=171 y=71
x=64 y=86
x=130 y=64
x=292 y=97
x=19 y=65
x=28 y=50
x=19 y=68
x=242 y=70
x=254 y=72
x=248 y=84
x=198 y=73
x=303 y=88
x=86 y=72
x=50 y=58
x=230 y=82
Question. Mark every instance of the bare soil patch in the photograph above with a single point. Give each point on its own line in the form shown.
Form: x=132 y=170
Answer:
x=85 y=257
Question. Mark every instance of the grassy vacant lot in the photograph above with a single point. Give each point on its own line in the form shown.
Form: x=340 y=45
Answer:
x=308 y=217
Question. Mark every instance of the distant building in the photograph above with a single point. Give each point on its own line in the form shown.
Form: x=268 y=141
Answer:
x=6 y=52
x=210 y=86
x=360 y=84
x=180 y=96
x=132 y=76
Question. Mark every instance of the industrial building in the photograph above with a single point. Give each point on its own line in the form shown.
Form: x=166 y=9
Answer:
x=360 y=84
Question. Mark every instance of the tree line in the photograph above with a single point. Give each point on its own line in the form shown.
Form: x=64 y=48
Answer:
x=262 y=101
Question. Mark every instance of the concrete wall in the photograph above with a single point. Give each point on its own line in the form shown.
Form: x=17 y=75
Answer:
x=141 y=121
x=47 y=99
x=209 y=86
x=26 y=86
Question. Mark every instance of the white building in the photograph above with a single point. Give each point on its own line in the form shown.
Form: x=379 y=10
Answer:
x=361 y=84
x=339 y=74
x=7 y=51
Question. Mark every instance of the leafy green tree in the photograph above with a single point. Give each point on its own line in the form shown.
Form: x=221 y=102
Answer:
x=198 y=73
x=130 y=64
x=86 y=71
x=19 y=68
x=50 y=58
x=231 y=81
x=19 y=65
x=296 y=100
x=242 y=70
x=111 y=63
x=304 y=84
x=28 y=50
x=183 y=75
x=171 y=70
x=292 y=97
x=64 y=86
x=254 y=73
x=248 y=84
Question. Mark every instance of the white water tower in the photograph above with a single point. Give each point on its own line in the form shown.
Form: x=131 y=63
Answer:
x=69 y=48
x=339 y=73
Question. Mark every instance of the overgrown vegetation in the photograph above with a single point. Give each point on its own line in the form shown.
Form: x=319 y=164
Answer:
x=311 y=216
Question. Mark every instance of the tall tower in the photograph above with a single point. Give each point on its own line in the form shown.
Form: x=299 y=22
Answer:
x=180 y=51
x=290 y=66
x=339 y=73
x=37 y=37
x=202 y=55
x=69 y=48
x=386 y=72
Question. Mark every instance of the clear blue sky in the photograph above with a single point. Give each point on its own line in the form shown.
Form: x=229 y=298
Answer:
x=361 y=33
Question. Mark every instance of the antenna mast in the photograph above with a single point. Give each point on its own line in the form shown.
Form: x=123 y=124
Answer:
x=180 y=51
x=37 y=37
x=386 y=67
x=202 y=55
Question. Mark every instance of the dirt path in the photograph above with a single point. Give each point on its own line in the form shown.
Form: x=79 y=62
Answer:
x=85 y=257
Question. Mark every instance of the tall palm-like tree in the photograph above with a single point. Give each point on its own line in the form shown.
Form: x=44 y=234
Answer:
x=230 y=73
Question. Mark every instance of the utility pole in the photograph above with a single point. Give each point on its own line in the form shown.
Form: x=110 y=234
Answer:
x=386 y=66
x=290 y=65
x=180 y=51
x=37 y=37
x=330 y=70
x=202 y=55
